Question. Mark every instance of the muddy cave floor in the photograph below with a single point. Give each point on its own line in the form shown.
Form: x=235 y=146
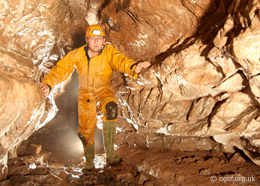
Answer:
x=57 y=164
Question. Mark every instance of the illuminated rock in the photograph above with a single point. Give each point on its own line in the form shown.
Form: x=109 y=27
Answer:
x=203 y=82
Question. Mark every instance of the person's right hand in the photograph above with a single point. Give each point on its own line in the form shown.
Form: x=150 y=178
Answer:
x=45 y=89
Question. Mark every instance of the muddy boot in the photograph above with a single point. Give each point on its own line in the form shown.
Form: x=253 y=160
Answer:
x=90 y=155
x=108 y=131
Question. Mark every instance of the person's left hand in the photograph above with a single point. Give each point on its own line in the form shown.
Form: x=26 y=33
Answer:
x=141 y=65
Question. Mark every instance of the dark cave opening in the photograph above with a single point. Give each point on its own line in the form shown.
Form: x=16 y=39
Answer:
x=149 y=159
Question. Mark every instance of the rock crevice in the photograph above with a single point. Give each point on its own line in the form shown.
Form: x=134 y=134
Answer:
x=203 y=82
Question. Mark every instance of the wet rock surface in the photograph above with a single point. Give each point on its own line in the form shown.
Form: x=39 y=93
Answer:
x=140 y=167
x=47 y=169
x=202 y=87
x=193 y=168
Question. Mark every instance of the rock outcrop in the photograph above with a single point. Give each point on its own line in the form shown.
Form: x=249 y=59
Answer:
x=204 y=83
x=202 y=88
x=30 y=39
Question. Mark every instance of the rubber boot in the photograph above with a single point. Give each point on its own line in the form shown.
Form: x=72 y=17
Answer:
x=108 y=131
x=90 y=155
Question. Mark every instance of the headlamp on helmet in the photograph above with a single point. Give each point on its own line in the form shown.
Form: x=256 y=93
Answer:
x=95 y=30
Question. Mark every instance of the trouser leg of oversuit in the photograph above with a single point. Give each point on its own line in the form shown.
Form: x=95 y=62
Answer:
x=109 y=109
x=87 y=125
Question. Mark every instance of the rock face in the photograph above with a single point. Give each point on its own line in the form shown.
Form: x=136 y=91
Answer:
x=203 y=82
x=30 y=40
x=204 y=78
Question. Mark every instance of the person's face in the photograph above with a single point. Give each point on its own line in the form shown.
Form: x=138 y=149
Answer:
x=95 y=43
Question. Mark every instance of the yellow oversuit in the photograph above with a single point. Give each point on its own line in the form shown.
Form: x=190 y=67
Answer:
x=94 y=76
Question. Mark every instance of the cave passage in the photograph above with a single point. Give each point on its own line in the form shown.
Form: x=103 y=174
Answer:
x=191 y=118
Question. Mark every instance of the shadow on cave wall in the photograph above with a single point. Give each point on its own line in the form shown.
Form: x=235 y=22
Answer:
x=209 y=26
x=79 y=38
x=61 y=133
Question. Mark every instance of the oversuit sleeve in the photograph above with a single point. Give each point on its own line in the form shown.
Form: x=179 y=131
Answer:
x=120 y=62
x=61 y=71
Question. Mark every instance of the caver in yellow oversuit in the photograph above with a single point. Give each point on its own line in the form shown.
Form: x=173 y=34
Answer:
x=94 y=76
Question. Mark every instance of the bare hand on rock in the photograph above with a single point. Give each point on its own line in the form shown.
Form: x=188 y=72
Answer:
x=45 y=89
x=141 y=65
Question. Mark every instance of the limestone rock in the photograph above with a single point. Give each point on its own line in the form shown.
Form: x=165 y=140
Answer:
x=30 y=33
x=35 y=149
x=206 y=86
x=137 y=21
x=203 y=82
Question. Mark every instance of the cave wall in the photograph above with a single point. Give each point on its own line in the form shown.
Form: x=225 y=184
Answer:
x=146 y=28
x=34 y=35
x=204 y=76
x=203 y=82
